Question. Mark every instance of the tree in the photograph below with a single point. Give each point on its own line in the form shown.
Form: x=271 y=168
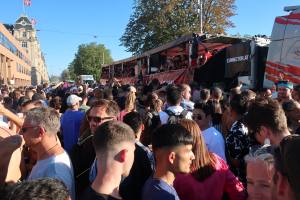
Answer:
x=54 y=78
x=156 y=22
x=65 y=75
x=89 y=60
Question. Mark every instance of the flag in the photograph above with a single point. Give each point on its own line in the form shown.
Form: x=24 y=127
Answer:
x=33 y=21
x=27 y=2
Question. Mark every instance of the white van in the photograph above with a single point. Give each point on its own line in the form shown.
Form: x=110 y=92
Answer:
x=86 y=79
x=283 y=60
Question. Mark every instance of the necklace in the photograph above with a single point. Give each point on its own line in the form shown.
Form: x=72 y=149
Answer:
x=48 y=150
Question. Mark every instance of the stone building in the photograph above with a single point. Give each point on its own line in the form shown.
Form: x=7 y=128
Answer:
x=25 y=33
x=15 y=63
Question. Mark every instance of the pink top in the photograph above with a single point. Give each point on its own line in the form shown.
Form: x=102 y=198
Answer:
x=121 y=115
x=220 y=182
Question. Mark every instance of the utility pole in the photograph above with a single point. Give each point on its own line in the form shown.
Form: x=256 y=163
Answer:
x=200 y=15
x=103 y=57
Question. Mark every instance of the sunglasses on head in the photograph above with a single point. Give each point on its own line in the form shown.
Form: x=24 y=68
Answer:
x=97 y=119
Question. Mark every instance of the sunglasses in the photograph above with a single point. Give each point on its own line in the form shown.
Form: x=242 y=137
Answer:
x=97 y=119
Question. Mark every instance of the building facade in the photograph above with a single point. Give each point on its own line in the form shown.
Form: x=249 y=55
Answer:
x=25 y=33
x=15 y=63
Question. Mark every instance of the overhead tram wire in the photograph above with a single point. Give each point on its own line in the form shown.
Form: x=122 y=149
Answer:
x=75 y=33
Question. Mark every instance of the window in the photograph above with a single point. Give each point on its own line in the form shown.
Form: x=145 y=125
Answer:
x=25 y=34
x=24 y=44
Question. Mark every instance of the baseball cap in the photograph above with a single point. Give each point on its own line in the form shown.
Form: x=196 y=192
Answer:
x=73 y=99
x=285 y=84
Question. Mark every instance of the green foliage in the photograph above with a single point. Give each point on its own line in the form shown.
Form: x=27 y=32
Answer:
x=89 y=60
x=65 y=75
x=155 y=22
x=54 y=79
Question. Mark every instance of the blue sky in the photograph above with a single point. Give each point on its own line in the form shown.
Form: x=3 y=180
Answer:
x=65 y=24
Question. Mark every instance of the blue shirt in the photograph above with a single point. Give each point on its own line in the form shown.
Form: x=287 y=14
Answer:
x=156 y=189
x=70 y=124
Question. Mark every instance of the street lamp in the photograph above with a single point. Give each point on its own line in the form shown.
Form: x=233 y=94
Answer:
x=200 y=15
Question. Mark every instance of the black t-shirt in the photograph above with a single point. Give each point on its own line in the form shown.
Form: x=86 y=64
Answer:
x=82 y=158
x=131 y=187
x=90 y=194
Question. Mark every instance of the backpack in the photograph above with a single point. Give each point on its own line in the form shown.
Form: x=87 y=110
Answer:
x=152 y=119
x=173 y=118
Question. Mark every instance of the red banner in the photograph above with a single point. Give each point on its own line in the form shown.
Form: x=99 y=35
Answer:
x=27 y=2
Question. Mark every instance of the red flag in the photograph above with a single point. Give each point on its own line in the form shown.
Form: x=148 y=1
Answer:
x=33 y=22
x=27 y=2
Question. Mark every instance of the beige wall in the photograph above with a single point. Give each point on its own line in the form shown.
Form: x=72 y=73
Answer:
x=33 y=48
x=11 y=65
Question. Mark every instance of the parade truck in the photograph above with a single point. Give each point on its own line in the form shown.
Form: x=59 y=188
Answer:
x=208 y=60
x=242 y=62
x=202 y=58
x=283 y=61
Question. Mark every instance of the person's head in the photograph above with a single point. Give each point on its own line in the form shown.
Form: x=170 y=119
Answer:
x=114 y=144
x=135 y=121
x=73 y=101
x=286 y=179
x=173 y=96
x=155 y=83
x=234 y=91
x=37 y=97
x=29 y=93
x=55 y=103
x=203 y=164
x=98 y=93
x=248 y=94
x=8 y=102
x=130 y=102
x=107 y=94
x=172 y=145
x=17 y=94
x=200 y=115
x=204 y=95
x=186 y=91
x=150 y=98
x=40 y=126
x=238 y=105
x=27 y=105
x=266 y=120
x=43 y=188
x=285 y=89
x=260 y=170
x=216 y=93
x=265 y=93
x=296 y=93
x=157 y=104
x=102 y=111
x=292 y=111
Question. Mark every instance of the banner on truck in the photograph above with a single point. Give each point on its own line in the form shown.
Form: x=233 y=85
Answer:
x=238 y=60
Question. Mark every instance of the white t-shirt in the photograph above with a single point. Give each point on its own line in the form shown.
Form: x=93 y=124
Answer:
x=57 y=166
x=214 y=142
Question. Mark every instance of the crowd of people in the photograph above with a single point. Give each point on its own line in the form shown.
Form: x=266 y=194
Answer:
x=149 y=142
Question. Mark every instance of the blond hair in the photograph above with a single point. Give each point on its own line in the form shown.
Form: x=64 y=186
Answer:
x=130 y=102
